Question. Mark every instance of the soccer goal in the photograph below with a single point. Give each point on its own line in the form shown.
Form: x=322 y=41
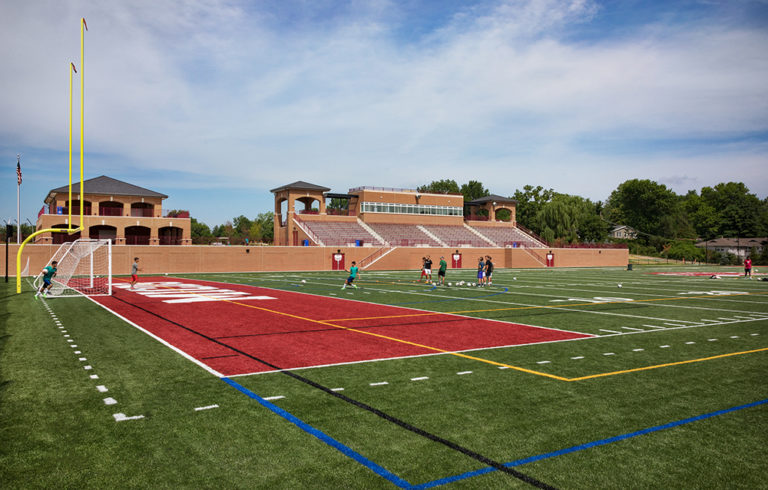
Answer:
x=84 y=268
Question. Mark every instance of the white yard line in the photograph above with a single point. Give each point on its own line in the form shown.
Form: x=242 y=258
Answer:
x=208 y=407
x=164 y=342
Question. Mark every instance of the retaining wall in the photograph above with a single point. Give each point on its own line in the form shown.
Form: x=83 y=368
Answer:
x=199 y=258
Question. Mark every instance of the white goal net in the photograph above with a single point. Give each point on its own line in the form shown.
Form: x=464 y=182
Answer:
x=84 y=268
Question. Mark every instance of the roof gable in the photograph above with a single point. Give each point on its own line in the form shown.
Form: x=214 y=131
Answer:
x=108 y=186
x=492 y=198
x=301 y=186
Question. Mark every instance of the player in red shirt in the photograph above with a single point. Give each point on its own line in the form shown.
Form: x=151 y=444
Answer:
x=748 y=268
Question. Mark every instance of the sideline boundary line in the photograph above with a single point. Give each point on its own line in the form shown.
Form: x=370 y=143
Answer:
x=592 y=444
x=487 y=361
x=375 y=411
x=657 y=366
x=386 y=337
x=342 y=448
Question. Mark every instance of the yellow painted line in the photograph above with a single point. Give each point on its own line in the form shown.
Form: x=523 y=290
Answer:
x=669 y=298
x=407 y=342
x=657 y=366
x=534 y=307
x=386 y=317
x=494 y=363
x=394 y=339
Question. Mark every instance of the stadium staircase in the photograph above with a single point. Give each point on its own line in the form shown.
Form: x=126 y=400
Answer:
x=400 y=235
x=371 y=231
x=432 y=235
x=376 y=256
x=535 y=255
x=457 y=236
x=483 y=237
x=338 y=233
x=302 y=225
x=510 y=237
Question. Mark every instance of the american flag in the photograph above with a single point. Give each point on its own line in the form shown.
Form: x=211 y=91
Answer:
x=18 y=172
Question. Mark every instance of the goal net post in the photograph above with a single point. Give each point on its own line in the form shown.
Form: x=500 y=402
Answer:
x=84 y=268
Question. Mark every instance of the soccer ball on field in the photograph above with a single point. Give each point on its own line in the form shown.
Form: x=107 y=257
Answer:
x=619 y=284
x=450 y=284
x=303 y=280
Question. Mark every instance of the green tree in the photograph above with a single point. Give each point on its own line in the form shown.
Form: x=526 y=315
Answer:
x=241 y=225
x=265 y=222
x=739 y=213
x=446 y=186
x=529 y=202
x=684 y=250
x=224 y=231
x=556 y=222
x=473 y=190
x=570 y=219
x=642 y=204
x=201 y=233
x=702 y=216
x=503 y=214
x=337 y=204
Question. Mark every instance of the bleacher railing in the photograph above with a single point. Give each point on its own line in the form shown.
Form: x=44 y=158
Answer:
x=531 y=234
x=365 y=262
x=305 y=228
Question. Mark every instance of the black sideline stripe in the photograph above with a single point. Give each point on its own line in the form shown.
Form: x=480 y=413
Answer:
x=401 y=423
x=335 y=329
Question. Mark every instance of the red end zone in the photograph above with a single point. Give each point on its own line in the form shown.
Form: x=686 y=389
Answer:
x=238 y=329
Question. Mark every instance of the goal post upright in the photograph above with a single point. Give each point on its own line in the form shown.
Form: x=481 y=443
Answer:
x=109 y=268
x=69 y=230
x=83 y=28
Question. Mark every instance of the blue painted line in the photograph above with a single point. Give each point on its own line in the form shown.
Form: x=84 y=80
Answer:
x=347 y=451
x=453 y=300
x=581 y=447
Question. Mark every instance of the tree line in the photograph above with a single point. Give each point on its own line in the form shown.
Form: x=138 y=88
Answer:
x=238 y=231
x=666 y=223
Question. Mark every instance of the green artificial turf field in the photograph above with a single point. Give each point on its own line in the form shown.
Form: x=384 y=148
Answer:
x=669 y=393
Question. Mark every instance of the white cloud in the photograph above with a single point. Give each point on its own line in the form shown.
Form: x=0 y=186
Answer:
x=243 y=97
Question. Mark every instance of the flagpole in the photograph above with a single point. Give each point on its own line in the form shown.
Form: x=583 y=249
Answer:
x=18 y=200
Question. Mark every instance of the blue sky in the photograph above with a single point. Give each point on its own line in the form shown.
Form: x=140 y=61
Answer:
x=215 y=102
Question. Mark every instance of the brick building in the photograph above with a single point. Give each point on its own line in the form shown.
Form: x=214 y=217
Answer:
x=124 y=213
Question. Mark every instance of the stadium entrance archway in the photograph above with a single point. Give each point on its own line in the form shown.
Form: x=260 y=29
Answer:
x=137 y=235
x=170 y=235
x=103 y=232
x=59 y=238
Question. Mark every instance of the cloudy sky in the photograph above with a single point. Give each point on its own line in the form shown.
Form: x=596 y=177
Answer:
x=214 y=102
